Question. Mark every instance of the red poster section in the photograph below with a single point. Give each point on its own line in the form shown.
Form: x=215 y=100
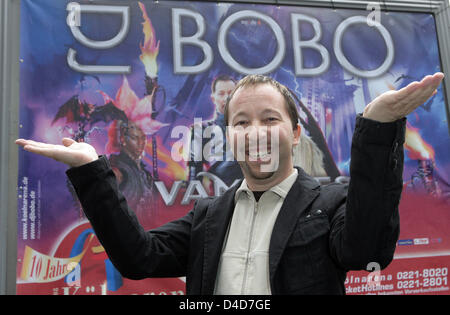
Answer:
x=422 y=258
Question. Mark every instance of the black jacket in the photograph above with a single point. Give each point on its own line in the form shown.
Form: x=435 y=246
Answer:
x=321 y=232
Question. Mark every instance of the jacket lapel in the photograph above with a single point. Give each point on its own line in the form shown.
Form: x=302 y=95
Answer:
x=218 y=217
x=219 y=213
x=300 y=196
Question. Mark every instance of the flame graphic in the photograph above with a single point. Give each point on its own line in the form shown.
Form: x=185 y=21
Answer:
x=417 y=148
x=137 y=110
x=150 y=48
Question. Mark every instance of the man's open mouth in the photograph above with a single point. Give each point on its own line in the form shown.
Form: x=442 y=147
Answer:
x=258 y=155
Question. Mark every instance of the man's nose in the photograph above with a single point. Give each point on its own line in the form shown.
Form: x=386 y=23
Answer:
x=142 y=143
x=257 y=131
x=258 y=127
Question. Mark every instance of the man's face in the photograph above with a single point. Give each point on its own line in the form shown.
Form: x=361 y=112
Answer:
x=260 y=112
x=222 y=92
x=134 y=141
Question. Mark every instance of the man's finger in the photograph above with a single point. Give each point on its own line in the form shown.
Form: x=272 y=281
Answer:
x=24 y=142
x=429 y=88
x=427 y=81
x=420 y=96
x=431 y=83
x=419 y=91
x=21 y=142
x=41 y=150
x=408 y=90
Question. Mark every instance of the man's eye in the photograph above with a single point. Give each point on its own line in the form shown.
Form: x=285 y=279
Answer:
x=240 y=123
x=271 y=119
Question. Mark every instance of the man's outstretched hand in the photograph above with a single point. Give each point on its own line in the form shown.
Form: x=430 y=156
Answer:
x=393 y=105
x=71 y=152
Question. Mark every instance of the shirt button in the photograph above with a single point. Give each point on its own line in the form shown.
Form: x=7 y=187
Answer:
x=319 y=211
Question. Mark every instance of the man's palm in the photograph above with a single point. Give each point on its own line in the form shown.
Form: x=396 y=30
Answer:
x=71 y=152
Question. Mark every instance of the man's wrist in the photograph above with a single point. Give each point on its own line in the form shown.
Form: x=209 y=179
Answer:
x=380 y=133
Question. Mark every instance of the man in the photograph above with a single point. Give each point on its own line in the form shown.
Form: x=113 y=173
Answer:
x=208 y=150
x=134 y=180
x=299 y=238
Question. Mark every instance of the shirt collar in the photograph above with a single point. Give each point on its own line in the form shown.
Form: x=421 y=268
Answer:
x=280 y=189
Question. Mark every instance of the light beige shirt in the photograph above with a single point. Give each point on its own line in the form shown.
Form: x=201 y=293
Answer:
x=244 y=264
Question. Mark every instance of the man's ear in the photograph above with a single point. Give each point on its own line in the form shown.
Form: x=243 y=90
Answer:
x=297 y=133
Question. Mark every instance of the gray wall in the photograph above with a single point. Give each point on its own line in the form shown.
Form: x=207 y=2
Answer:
x=9 y=102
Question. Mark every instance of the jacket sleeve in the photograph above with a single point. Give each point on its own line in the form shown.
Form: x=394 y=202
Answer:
x=136 y=254
x=365 y=228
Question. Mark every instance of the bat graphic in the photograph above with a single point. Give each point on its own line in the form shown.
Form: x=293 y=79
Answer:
x=74 y=111
x=85 y=114
x=107 y=113
x=403 y=76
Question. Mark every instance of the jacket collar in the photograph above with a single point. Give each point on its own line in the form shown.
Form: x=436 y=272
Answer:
x=302 y=193
x=280 y=189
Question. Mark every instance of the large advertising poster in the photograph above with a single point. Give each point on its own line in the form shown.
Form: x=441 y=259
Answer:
x=143 y=81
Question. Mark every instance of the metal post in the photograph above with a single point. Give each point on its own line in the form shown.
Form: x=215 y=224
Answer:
x=9 y=101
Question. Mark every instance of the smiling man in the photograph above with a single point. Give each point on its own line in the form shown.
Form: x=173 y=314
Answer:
x=278 y=231
x=258 y=108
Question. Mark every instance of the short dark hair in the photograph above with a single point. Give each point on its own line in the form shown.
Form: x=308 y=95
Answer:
x=258 y=79
x=221 y=77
